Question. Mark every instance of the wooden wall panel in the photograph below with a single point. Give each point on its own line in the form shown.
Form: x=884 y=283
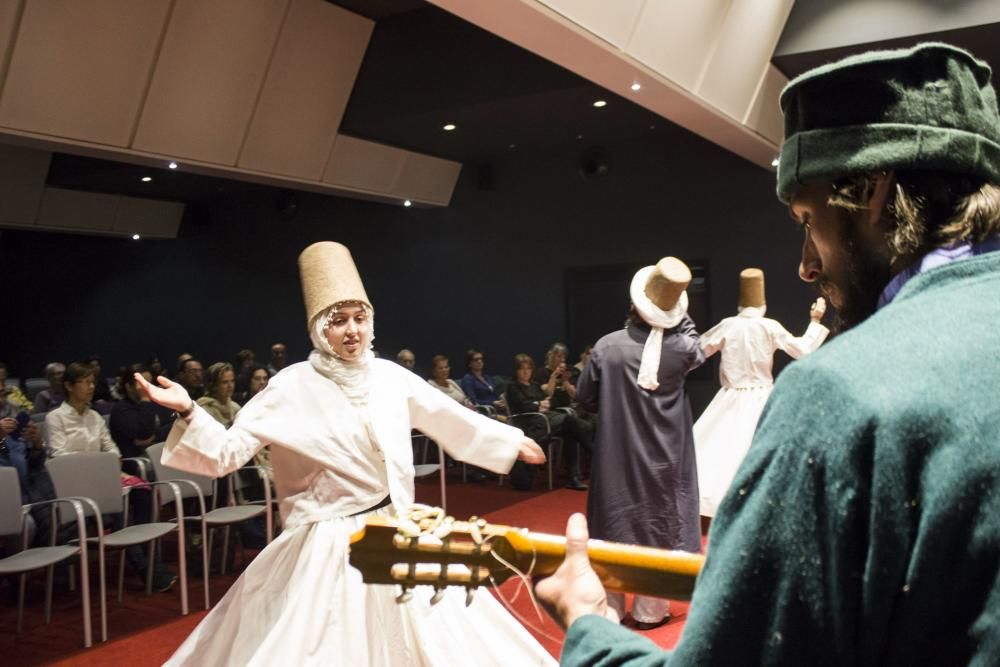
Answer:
x=23 y=172
x=611 y=21
x=742 y=54
x=764 y=116
x=364 y=165
x=79 y=69
x=427 y=178
x=210 y=70
x=151 y=218
x=10 y=20
x=308 y=84
x=676 y=38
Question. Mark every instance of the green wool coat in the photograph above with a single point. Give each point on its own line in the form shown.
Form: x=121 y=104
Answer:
x=863 y=527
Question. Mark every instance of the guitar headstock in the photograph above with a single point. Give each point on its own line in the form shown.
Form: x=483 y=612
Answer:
x=458 y=553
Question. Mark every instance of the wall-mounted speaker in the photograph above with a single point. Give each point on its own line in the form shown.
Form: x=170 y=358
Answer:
x=594 y=163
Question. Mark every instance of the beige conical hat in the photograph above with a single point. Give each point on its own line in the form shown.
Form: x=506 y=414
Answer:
x=328 y=277
x=752 y=288
x=668 y=280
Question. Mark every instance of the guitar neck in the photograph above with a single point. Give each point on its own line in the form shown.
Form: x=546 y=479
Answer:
x=621 y=567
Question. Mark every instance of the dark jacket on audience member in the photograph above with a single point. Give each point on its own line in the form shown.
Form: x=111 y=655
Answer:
x=131 y=421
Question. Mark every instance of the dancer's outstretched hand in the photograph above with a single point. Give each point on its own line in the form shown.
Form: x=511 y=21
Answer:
x=817 y=310
x=574 y=590
x=169 y=394
x=530 y=452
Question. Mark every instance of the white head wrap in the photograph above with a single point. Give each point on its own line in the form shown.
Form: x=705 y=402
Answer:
x=351 y=376
x=658 y=320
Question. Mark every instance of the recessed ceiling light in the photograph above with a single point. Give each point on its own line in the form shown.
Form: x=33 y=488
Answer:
x=513 y=146
x=776 y=160
x=449 y=127
x=579 y=136
x=146 y=179
x=172 y=165
x=600 y=103
x=407 y=203
x=636 y=86
x=136 y=237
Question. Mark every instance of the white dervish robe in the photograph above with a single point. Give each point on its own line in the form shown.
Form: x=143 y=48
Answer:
x=723 y=433
x=299 y=602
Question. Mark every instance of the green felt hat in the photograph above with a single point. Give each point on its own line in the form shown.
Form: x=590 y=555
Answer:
x=930 y=108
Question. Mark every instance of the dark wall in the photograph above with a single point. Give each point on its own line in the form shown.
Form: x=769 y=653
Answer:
x=488 y=271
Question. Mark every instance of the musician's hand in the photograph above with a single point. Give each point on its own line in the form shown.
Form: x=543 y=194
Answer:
x=529 y=451
x=574 y=590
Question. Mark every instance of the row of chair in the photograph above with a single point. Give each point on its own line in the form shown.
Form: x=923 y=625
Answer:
x=90 y=486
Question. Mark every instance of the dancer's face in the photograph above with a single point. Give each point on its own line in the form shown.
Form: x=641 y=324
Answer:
x=349 y=332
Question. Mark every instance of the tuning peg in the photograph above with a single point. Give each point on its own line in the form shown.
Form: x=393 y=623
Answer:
x=469 y=593
x=405 y=596
x=438 y=595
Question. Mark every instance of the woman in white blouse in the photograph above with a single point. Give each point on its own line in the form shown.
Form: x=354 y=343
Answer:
x=339 y=429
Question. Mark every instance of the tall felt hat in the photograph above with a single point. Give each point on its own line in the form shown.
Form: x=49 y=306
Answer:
x=328 y=277
x=666 y=283
x=752 y=288
x=930 y=108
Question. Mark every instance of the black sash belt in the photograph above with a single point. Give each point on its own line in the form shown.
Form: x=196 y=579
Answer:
x=382 y=503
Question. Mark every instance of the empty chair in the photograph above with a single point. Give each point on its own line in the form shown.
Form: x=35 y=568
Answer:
x=34 y=385
x=200 y=486
x=97 y=475
x=426 y=469
x=12 y=521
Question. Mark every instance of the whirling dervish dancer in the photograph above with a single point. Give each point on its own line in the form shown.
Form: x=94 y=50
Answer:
x=747 y=341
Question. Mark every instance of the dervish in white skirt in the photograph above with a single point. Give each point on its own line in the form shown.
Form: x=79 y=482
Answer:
x=723 y=433
x=338 y=427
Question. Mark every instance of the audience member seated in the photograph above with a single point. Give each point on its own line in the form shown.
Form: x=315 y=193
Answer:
x=479 y=387
x=22 y=448
x=279 y=358
x=581 y=364
x=257 y=378
x=407 y=359
x=74 y=428
x=440 y=370
x=103 y=400
x=133 y=421
x=49 y=399
x=155 y=366
x=245 y=359
x=11 y=392
x=189 y=376
x=526 y=395
x=218 y=402
x=218 y=399
x=182 y=358
x=554 y=378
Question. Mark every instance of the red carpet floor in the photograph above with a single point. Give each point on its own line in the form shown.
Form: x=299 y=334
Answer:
x=145 y=630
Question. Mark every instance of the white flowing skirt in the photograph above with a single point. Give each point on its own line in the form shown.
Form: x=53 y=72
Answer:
x=722 y=437
x=300 y=603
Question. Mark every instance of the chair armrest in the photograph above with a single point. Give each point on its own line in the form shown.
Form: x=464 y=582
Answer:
x=77 y=502
x=529 y=418
x=143 y=464
x=178 y=498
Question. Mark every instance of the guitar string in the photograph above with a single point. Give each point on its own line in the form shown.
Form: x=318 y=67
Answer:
x=523 y=584
x=441 y=525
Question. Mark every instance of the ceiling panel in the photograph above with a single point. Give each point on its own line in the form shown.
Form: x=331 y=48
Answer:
x=207 y=79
